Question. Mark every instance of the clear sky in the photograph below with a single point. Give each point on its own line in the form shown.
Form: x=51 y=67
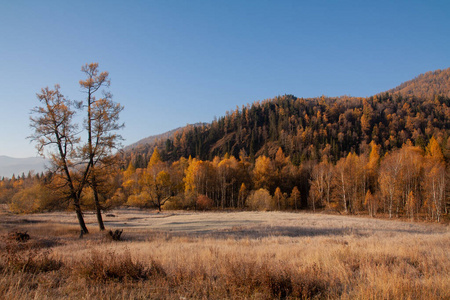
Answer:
x=177 y=62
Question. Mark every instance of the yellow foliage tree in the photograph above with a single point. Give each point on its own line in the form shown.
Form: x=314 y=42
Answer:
x=294 y=199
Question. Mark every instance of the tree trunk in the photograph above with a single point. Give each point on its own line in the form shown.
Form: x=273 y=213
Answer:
x=98 y=208
x=159 y=205
x=80 y=218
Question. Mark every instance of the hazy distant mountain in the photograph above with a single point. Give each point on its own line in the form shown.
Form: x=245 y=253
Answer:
x=426 y=85
x=17 y=166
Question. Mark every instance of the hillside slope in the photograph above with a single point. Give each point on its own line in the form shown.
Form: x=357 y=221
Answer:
x=159 y=137
x=308 y=129
x=426 y=85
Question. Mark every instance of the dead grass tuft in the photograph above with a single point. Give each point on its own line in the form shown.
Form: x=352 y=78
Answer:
x=111 y=266
x=21 y=257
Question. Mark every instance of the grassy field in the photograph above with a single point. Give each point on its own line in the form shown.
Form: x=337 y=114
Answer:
x=236 y=255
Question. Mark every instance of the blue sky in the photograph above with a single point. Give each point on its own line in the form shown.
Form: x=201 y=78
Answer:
x=177 y=62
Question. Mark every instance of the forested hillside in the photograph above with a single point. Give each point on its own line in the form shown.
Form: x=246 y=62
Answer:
x=308 y=129
x=426 y=85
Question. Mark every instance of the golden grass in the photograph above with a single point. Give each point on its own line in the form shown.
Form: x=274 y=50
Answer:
x=244 y=255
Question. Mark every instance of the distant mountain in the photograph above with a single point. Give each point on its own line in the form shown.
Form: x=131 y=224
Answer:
x=17 y=166
x=426 y=85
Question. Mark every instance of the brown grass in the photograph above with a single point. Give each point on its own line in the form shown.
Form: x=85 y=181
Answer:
x=244 y=255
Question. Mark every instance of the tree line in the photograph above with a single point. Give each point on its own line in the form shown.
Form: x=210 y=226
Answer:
x=407 y=182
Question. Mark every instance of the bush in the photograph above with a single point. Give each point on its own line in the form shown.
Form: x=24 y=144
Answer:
x=204 y=202
x=141 y=200
x=116 y=200
x=173 y=203
x=260 y=200
x=26 y=200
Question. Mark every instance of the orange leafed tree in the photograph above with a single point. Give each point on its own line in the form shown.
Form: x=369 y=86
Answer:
x=55 y=135
x=102 y=125
x=435 y=180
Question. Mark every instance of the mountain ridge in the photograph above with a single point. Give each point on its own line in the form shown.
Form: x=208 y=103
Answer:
x=10 y=166
x=165 y=135
x=426 y=85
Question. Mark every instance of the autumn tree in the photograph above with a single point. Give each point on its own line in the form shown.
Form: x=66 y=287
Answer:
x=29 y=199
x=260 y=200
x=411 y=175
x=372 y=166
x=435 y=180
x=130 y=182
x=102 y=124
x=56 y=137
x=320 y=184
x=371 y=203
x=279 y=198
x=191 y=180
x=389 y=181
x=294 y=199
x=243 y=193
x=78 y=165
x=349 y=178
x=279 y=163
x=410 y=205
x=109 y=184
x=156 y=181
x=227 y=171
x=263 y=173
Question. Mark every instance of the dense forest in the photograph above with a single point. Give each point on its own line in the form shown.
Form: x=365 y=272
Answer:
x=386 y=154
x=308 y=129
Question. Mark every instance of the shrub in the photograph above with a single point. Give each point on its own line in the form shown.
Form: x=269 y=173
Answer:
x=173 y=203
x=141 y=200
x=204 y=202
x=26 y=200
x=260 y=200
x=114 y=235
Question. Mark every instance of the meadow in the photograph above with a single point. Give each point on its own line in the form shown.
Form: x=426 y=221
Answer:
x=223 y=255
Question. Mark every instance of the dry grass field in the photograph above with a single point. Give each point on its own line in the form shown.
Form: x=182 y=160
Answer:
x=236 y=255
